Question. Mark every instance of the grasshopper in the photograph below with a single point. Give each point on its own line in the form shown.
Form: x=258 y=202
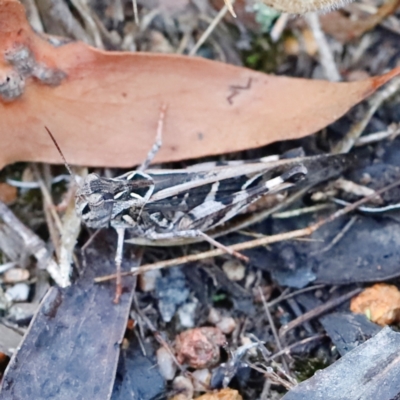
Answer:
x=168 y=205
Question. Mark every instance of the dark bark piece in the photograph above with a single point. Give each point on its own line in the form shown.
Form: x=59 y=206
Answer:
x=138 y=376
x=72 y=347
x=368 y=252
x=347 y=330
x=371 y=371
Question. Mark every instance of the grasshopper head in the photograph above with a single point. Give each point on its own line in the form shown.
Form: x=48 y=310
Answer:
x=94 y=201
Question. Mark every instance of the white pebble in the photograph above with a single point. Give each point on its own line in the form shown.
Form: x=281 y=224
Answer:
x=227 y=325
x=18 y=292
x=214 y=316
x=250 y=279
x=22 y=311
x=187 y=314
x=201 y=379
x=246 y=341
x=184 y=386
x=16 y=275
x=147 y=280
x=234 y=270
x=166 y=363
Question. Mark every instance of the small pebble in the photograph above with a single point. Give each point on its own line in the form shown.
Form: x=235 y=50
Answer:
x=201 y=379
x=171 y=291
x=246 y=341
x=184 y=388
x=380 y=303
x=147 y=280
x=250 y=279
x=227 y=325
x=187 y=314
x=234 y=270
x=22 y=311
x=214 y=316
x=14 y=275
x=166 y=363
x=199 y=347
x=18 y=292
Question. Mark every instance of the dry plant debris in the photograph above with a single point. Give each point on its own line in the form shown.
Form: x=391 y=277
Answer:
x=346 y=27
x=380 y=303
x=102 y=107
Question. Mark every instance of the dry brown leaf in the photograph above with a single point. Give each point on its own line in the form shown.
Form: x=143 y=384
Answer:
x=103 y=106
x=345 y=28
x=381 y=304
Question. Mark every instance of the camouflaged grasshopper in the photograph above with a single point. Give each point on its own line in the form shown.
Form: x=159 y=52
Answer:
x=168 y=205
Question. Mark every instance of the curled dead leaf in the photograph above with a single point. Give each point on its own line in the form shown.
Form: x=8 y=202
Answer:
x=345 y=28
x=102 y=107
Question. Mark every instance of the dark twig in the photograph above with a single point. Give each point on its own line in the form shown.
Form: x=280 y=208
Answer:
x=273 y=329
x=316 y=312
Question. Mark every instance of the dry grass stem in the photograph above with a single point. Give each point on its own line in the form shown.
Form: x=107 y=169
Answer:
x=326 y=57
x=34 y=245
x=273 y=329
x=347 y=143
x=221 y=14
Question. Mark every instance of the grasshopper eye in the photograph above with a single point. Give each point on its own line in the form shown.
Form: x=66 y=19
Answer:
x=86 y=210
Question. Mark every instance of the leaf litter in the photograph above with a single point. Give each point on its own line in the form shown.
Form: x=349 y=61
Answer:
x=102 y=107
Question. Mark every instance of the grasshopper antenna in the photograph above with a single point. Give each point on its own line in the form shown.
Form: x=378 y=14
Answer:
x=61 y=154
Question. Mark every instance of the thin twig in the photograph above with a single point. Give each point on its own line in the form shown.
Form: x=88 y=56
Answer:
x=316 y=312
x=47 y=198
x=229 y=5
x=300 y=211
x=273 y=329
x=372 y=210
x=326 y=57
x=85 y=12
x=338 y=237
x=285 y=296
x=154 y=331
x=279 y=27
x=33 y=15
x=288 y=349
x=135 y=12
x=33 y=244
x=70 y=232
x=375 y=101
x=391 y=133
x=53 y=221
x=253 y=243
x=221 y=14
